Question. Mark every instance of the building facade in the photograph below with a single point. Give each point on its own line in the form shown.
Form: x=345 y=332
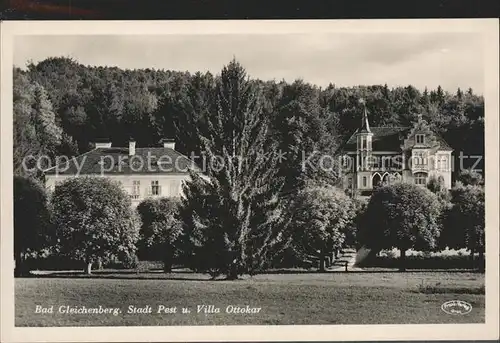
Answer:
x=143 y=172
x=373 y=156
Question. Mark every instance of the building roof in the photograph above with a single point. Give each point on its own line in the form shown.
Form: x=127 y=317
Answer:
x=389 y=139
x=116 y=161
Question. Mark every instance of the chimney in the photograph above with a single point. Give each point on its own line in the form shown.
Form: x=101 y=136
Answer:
x=131 y=147
x=102 y=143
x=169 y=143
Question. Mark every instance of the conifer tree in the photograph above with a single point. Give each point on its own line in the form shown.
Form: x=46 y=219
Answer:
x=49 y=134
x=231 y=215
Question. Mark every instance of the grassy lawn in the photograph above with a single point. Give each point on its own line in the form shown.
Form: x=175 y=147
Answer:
x=301 y=298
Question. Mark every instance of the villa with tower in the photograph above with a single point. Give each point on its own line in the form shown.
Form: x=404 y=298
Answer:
x=373 y=156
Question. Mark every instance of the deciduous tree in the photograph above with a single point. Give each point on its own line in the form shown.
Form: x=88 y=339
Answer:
x=466 y=220
x=321 y=215
x=94 y=220
x=32 y=219
x=160 y=230
x=403 y=216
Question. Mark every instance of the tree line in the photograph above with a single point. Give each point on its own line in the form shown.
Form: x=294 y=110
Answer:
x=62 y=107
x=89 y=222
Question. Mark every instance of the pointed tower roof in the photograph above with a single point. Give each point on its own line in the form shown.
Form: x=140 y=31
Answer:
x=365 y=125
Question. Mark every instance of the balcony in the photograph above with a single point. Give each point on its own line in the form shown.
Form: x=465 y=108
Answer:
x=421 y=167
x=419 y=162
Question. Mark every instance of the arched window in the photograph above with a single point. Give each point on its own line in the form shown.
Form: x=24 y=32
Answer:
x=376 y=180
x=420 y=179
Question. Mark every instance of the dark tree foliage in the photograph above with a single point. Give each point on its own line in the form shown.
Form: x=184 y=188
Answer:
x=470 y=177
x=32 y=219
x=465 y=225
x=160 y=230
x=231 y=215
x=61 y=107
x=321 y=219
x=148 y=104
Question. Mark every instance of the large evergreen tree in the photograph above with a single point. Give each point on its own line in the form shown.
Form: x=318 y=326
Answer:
x=232 y=214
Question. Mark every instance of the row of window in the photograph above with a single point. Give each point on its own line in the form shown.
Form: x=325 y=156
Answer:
x=154 y=189
x=419 y=179
x=367 y=144
x=419 y=159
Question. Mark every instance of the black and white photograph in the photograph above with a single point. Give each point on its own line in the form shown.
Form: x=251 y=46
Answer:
x=268 y=175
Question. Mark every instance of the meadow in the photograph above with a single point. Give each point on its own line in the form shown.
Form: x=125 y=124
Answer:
x=284 y=299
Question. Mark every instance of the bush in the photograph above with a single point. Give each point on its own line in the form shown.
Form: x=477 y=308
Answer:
x=122 y=262
x=419 y=262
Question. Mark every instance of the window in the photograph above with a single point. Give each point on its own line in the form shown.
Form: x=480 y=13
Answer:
x=362 y=142
x=421 y=179
x=419 y=158
x=442 y=162
x=155 y=188
x=364 y=181
x=136 y=189
x=420 y=138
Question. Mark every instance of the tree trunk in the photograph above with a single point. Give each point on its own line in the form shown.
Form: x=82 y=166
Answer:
x=327 y=261
x=471 y=257
x=233 y=273
x=88 y=268
x=482 y=262
x=167 y=260
x=18 y=269
x=322 y=261
x=402 y=260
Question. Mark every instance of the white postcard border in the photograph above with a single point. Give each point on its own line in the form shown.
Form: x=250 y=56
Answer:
x=489 y=30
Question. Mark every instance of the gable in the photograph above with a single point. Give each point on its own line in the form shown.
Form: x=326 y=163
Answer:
x=421 y=136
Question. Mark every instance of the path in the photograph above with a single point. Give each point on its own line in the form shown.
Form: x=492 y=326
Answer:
x=349 y=256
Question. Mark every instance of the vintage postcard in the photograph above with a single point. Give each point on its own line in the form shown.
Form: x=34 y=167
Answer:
x=249 y=180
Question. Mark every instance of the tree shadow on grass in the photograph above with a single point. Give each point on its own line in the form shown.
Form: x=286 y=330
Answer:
x=187 y=275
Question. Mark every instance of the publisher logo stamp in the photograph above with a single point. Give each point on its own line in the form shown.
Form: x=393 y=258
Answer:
x=456 y=307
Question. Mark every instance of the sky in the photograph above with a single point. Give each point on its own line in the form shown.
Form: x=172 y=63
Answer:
x=451 y=60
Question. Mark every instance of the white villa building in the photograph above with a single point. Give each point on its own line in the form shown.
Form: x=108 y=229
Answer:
x=376 y=155
x=143 y=172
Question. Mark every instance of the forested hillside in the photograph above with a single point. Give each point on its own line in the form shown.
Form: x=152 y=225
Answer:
x=61 y=107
